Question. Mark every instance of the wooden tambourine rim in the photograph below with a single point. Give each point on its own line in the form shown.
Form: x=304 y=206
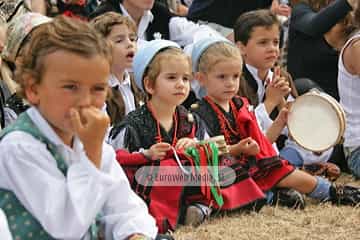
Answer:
x=338 y=112
x=341 y=111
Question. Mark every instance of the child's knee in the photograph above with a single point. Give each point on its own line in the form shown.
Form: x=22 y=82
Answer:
x=292 y=156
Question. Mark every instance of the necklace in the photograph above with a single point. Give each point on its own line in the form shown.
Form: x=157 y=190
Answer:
x=158 y=138
x=224 y=123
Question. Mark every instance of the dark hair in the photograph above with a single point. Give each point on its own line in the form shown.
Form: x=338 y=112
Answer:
x=246 y=23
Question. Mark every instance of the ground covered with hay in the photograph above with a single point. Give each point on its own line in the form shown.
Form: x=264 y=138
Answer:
x=316 y=222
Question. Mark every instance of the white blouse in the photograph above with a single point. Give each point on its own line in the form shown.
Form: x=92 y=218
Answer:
x=181 y=30
x=4 y=228
x=124 y=87
x=66 y=206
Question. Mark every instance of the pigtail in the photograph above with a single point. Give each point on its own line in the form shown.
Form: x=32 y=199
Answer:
x=115 y=106
x=140 y=97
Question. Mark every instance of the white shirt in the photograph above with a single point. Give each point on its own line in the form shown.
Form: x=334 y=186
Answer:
x=4 y=228
x=124 y=88
x=145 y=20
x=261 y=114
x=66 y=206
x=265 y=122
x=349 y=87
x=181 y=30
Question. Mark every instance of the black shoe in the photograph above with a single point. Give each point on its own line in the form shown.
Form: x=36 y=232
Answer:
x=344 y=195
x=164 y=237
x=288 y=197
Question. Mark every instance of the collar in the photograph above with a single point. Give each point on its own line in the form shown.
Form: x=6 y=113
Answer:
x=42 y=124
x=259 y=82
x=145 y=20
x=254 y=71
x=114 y=81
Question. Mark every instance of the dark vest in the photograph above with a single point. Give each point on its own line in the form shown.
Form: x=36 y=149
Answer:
x=208 y=115
x=248 y=88
x=22 y=224
x=142 y=130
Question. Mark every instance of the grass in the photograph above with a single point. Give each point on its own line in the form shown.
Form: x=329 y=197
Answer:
x=316 y=222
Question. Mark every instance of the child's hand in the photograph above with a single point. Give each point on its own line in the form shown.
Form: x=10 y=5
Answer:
x=90 y=125
x=281 y=119
x=280 y=9
x=278 y=124
x=185 y=143
x=277 y=89
x=157 y=151
x=247 y=146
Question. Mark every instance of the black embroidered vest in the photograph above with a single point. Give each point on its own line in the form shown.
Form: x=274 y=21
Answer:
x=208 y=115
x=142 y=129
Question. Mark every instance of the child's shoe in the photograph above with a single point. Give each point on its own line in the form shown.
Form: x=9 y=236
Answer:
x=196 y=214
x=344 y=195
x=288 y=197
x=164 y=237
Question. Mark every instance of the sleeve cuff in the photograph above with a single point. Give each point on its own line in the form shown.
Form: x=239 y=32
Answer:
x=263 y=117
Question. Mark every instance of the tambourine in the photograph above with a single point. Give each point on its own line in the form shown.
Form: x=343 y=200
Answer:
x=316 y=121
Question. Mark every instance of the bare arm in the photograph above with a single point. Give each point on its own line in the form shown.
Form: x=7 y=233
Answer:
x=351 y=58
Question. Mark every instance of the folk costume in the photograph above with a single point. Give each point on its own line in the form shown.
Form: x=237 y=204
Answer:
x=266 y=168
x=140 y=130
x=4 y=228
x=49 y=190
x=167 y=200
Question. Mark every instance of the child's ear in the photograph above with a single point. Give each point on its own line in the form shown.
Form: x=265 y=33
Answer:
x=31 y=90
x=148 y=86
x=200 y=77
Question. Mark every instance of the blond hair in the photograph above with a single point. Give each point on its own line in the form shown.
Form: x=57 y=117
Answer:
x=216 y=53
x=154 y=68
x=105 y=23
x=65 y=34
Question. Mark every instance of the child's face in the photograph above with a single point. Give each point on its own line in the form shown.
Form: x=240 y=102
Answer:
x=68 y=81
x=222 y=81
x=262 y=49
x=172 y=85
x=124 y=47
